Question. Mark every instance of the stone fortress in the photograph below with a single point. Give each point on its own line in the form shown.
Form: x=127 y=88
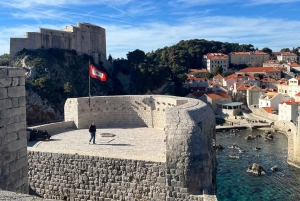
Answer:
x=185 y=127
x=85 y=38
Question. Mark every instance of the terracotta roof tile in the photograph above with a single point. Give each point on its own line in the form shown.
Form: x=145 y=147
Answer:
x=218 y=95
x=269 y=109
x=218 y=76
x=243 y=87
x=194 y=70
x=259 y=69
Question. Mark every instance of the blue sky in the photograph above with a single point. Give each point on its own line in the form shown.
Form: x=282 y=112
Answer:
x=148 y=25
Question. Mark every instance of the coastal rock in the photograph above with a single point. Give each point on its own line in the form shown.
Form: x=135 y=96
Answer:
x=256 y=148
x=274 y=168
x=256 y=169
x=219 y=147
x=233 y=156
x=250 y=137
x=269 y=137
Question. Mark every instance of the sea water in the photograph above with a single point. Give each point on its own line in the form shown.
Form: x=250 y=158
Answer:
x=234 y=183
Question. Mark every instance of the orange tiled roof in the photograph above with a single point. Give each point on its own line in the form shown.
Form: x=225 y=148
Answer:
x=272 y=62
x=259 y=69
x=269 y=109
x=248 y=53
x=216 y=56
x=217 y=95
x=294 y=64
x=288 y=54
x=218 y=76
x=268 y=79
x=290 y=102
x=243 y=87
x=193 y=78
x=297 y=94
x=194 y=70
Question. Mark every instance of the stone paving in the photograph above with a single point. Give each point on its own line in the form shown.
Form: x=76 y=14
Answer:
x=142 y=143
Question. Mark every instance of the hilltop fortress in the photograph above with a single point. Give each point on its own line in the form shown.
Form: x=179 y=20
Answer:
x=85 y=38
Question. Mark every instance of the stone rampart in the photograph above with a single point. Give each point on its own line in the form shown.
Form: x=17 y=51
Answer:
x=120 y=111
x=56 y=127
x=189 y=169
x=13 y=143
x=262 y=113
x=85 y=38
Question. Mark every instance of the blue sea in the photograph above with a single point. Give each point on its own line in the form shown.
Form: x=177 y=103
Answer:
x=236 y=184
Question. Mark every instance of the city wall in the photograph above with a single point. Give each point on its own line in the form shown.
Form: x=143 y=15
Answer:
x=13 y=143
x=189 y=172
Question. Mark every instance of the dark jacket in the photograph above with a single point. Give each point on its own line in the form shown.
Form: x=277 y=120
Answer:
x=92 y=129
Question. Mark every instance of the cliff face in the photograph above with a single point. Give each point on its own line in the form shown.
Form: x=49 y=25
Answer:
x=54 y=75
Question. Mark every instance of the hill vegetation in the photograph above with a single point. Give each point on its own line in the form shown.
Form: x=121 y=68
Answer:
x=56 y=75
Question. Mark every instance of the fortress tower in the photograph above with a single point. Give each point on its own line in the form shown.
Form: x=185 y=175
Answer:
x=85 y=38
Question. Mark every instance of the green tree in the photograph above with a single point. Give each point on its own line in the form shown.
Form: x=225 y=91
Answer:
x=285 y=50
x=217 y=70
x=267 y=50
x=4 y=60
x=68 y=89
x=207 y=75
x=136 y=57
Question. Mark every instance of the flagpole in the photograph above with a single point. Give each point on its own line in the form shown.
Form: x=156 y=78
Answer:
x=89 y=84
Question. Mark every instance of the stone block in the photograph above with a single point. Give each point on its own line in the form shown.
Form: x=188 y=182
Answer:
x=5 y=82
x=3 y=93
x=16 y=72
x=17 y=91
x=15 y=81
x=5 y=103
x=3 y=72
x=21 y=81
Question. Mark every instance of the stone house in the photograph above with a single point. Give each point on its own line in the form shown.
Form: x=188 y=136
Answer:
x=212 y=60
x=213 y=98
x=290 y=87
x=253 y=95
x=268 y=71
x=268 y=82
x=272 y=99
x=288 y=110
x=218 y=79
x=287 y=57
x=256 y=58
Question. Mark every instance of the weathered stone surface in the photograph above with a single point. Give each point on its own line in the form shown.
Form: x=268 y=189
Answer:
x=13 y=151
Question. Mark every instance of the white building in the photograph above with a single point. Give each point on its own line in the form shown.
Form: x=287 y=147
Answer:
x=287 y=57
x=272 y=99
x=290 y=87
x=288 y=110
x=212 y=60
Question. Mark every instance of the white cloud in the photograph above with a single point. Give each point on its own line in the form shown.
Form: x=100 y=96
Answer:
x=122 y=38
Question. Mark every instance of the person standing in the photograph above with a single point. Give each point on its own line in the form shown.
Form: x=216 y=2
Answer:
x=92 y=131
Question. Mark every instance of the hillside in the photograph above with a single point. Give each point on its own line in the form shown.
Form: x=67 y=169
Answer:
x=54 y=75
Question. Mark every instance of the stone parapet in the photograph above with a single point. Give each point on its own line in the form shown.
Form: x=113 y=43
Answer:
x=13 y=143
x=79 y=177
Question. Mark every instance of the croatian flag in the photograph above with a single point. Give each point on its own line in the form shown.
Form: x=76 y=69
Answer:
x=97 y=74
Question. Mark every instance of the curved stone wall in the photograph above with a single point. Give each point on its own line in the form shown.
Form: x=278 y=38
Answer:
x=189 y=125
x=120 y=111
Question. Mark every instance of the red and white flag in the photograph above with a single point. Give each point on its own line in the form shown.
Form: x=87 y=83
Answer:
x=97 y=74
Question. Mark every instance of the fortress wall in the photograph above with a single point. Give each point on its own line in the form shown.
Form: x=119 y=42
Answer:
x=119 y=111
x=13 y=140
x=85 y=39
x=262 y=113
x=190 y=131
x=55 y=127
x=80 y=177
